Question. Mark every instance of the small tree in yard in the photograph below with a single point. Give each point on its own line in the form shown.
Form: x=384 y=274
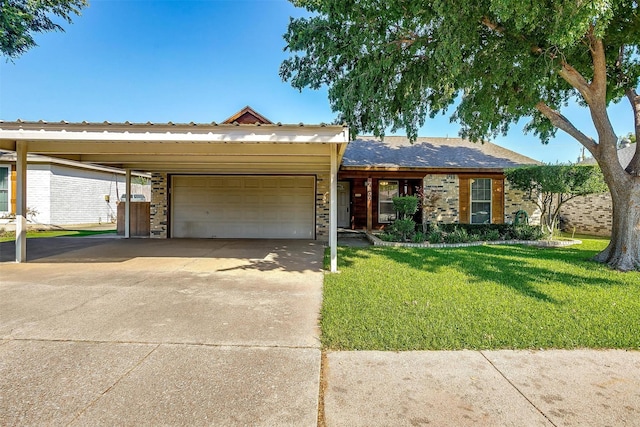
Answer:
x=406 y=207
x=430 y=201
x=391 y=64
x=550 y=186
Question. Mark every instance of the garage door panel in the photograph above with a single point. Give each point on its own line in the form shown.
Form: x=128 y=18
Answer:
x=243 y=207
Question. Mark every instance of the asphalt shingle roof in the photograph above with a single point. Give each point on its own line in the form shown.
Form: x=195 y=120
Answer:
x=624 y=155
x=398 y=152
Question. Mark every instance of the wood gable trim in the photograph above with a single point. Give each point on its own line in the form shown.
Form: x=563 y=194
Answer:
x=247 y=116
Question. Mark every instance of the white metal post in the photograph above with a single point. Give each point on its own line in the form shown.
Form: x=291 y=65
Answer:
x=21 y=201
x=333 y=209
x=127 y=204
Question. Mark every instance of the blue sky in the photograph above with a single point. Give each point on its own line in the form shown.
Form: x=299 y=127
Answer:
x=199 y=61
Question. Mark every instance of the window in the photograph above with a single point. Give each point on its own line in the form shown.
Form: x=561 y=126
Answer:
x=481 y=201
x=4 y=189
x=387 y=190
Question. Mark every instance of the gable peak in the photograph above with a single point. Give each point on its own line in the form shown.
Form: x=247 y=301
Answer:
x=248 y=116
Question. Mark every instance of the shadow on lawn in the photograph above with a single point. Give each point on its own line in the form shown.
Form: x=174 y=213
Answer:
x=524 y=269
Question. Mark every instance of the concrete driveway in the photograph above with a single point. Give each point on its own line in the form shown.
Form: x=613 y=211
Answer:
x=99 y=331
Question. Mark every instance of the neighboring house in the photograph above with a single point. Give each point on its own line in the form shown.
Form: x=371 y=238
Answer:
x=62 y=192
x=593 y=214
x=462 y=181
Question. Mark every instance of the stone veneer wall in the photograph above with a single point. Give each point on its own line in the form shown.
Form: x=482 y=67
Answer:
x=159 y=205
x=446 y=209
x=515 y=200
x=323 y=184
x=589 y=215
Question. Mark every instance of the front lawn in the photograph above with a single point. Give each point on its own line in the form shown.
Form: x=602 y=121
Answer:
x=484 y=297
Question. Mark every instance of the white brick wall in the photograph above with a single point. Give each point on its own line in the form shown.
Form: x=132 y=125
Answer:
x=78 y=195
x=38 y=192
x=64 y=195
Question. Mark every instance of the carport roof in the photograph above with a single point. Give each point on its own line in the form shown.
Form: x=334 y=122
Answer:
x=183 y=147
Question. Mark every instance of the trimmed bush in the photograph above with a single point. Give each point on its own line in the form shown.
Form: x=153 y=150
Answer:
x=404 y=228
x=406 y=206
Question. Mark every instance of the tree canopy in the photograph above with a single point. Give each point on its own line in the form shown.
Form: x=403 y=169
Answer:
x=20 y=19
x=394 y=63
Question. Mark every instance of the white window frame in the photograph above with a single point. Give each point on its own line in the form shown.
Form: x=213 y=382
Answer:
x=8 y=168
x=387 y=218
x=472 y=200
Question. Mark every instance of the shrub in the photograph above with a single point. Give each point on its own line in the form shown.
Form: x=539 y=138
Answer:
x=475 y=237
x=435 y=236
x=406 y=206
x=527 y=232
x=491 y=235
x=458 y=235
x=404 y=228
x=387 y=237
x=419 y=237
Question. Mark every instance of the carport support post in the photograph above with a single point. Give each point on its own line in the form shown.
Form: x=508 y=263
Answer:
x=21 y=201
x=127 y=204
x=333 y=210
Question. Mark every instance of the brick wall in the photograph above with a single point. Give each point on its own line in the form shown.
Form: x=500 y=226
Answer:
x=39 y=193
x=78 y=196
x=446 y=208
x=159 y=205
x=323 y=183
x=515 y=200
x=589 y=215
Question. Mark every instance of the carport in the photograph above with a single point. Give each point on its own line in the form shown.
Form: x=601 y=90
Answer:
x=288 y=159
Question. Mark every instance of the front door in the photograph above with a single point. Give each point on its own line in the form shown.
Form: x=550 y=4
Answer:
x=344 y=204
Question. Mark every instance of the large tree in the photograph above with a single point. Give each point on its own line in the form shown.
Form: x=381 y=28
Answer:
x=393 y=63
x=20 y=19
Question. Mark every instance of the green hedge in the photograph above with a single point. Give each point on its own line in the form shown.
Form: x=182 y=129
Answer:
x=460 y=233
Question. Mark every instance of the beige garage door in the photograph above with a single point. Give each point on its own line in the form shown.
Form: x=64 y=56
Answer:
x=264 y=207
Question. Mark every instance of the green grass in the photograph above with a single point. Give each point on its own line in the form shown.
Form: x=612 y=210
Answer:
x=485 y=297
x=33 y=234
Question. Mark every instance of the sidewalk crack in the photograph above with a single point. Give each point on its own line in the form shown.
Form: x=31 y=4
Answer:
x=322 y=388
x=517 y=389
x=108 y=389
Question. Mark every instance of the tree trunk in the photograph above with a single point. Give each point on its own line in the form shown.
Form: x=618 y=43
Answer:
x=623 y=252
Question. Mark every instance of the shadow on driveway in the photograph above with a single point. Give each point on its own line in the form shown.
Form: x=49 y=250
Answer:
x=258 y=254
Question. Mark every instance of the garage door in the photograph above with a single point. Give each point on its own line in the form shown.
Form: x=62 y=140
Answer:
x=263 y=207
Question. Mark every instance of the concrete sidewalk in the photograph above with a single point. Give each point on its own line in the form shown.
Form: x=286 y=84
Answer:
x=482 y=388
